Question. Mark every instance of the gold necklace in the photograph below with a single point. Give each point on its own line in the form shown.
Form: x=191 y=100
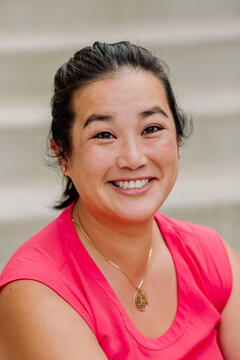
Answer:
x=140 y=297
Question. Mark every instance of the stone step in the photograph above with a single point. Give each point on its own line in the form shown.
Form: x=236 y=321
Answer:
x=164 y=33
x=197 y=54
x=204 y=195
x=214 y=142
x=28 y=16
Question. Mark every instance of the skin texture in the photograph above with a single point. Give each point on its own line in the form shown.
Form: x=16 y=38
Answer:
x=128 y=139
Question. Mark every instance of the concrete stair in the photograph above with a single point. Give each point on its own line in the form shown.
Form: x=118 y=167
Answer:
x=200 y=43
x=197 y=54
x=24 y=16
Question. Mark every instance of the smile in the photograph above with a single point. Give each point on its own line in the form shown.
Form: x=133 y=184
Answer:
x=131 y=184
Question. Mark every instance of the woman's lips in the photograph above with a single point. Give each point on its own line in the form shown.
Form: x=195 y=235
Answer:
x=132 y=187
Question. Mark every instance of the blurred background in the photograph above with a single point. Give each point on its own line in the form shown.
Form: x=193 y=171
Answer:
x=199 y=40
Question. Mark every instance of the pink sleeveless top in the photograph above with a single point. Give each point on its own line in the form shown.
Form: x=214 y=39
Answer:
x=56 y=257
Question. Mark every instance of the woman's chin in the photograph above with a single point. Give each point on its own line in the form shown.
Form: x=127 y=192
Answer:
x=133 y=214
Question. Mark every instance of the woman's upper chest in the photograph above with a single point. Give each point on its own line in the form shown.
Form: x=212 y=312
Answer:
x=161 y=289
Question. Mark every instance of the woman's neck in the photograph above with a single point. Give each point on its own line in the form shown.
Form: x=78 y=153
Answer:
x=127 y=245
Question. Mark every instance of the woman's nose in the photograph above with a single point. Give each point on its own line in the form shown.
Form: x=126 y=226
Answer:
x=131 y=155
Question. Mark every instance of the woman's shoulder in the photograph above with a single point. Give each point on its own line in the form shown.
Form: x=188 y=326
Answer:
x=46 y=261
x=187 y=228
x=195 y=238
x=37 y=249
x=206 y=255
x=47 y=246
x=40 y=257
x=28 y=331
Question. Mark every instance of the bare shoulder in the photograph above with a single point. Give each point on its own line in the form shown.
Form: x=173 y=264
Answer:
x=230 y=323
x=36 y=323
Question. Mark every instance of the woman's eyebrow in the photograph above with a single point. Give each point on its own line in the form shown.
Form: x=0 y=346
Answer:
x=154 y=110
x=143 y=114
x=97 y=117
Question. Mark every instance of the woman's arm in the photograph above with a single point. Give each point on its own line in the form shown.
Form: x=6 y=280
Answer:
x=37 y=324
x=229 y=330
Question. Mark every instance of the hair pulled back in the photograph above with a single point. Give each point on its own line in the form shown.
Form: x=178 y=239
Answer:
x=87 y=66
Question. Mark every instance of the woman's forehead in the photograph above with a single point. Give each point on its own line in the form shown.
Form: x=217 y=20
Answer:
x=127 y=88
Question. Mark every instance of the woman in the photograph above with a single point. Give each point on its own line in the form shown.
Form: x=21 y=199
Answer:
x=111 y=278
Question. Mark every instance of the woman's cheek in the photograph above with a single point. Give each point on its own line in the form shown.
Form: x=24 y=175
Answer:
x=168 y=152
x=96 y=160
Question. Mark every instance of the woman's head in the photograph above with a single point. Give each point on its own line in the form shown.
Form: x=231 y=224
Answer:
x=88 y=66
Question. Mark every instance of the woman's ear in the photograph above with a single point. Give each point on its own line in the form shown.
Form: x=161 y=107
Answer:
x=58 y=151
x=54 y=147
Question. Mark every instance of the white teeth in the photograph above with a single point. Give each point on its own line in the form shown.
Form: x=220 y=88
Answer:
x=132 y=184
x=125 y=185
x=138 y=184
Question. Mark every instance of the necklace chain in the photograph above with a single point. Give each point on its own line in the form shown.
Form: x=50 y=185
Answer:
x=140 y=297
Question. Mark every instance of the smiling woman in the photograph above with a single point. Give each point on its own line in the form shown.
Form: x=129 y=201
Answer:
x=133 y=140
x=112 y=277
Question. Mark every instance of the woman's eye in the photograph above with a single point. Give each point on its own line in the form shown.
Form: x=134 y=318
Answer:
x=104 y=135
x=152 y=129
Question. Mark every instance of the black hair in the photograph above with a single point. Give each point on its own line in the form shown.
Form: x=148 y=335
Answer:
x=89 y=65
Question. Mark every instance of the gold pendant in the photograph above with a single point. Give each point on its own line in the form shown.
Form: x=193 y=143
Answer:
x=141 y=300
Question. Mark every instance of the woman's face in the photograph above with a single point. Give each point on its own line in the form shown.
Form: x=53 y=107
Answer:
x=124 y=159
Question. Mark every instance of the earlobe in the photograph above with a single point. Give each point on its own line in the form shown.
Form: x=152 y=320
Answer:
x=178 y=147
x=179 y=154
x=63 y=164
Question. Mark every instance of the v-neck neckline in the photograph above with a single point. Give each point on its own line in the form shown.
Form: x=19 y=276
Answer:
x=173 y=242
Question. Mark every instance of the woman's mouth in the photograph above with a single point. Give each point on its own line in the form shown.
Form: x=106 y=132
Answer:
x=131 y=184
